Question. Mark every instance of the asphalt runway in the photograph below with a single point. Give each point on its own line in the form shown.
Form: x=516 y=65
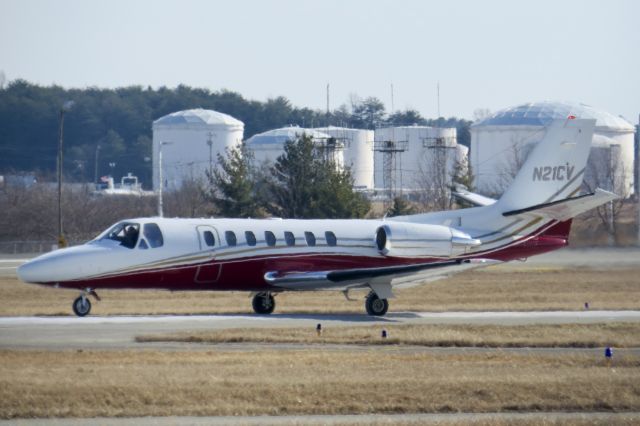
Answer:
x=350 y=419
x=119 y=332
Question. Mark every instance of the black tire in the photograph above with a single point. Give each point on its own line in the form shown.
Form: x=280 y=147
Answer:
x=81 y=306
x=263 y=303
x=375 y=306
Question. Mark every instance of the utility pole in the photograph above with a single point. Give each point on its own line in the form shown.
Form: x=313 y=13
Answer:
x=392 y=106
x=438 y=96
x=210 y=143
x=636 y=182
x=328 y=99
x=160 y=178
x=328 y=114
x=65 y=107
x=95 y=165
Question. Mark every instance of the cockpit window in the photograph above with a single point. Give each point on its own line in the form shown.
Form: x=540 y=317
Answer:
x=153 y=234
x=126 y=233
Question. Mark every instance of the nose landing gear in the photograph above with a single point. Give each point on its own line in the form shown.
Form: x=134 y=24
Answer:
x=82 y=305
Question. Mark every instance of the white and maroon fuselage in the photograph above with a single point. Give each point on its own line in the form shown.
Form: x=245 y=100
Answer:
x=186 y=261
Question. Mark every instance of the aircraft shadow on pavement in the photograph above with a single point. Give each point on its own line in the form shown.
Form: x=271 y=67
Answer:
x=362 y=318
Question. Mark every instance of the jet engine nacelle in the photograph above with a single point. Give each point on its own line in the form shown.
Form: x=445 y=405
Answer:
x=422 y=240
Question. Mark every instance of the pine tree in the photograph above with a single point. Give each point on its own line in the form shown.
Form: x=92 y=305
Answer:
x=233 y=185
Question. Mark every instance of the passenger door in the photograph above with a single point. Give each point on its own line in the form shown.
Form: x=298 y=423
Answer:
x=209 y=240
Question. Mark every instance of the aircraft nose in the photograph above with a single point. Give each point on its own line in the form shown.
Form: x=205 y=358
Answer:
x=34 y=271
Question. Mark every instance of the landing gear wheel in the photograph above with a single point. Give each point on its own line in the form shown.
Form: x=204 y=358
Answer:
x=263 y=303
x=376 y=306
x=81 y=306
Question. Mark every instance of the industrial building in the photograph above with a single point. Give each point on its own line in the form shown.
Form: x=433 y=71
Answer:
x=358 y=153
x=190 y=141
x=501 y=142
x=410 y=158
x=266 y=147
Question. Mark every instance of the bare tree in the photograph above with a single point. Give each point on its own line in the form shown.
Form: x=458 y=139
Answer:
x=190 y=200
x=481 y=113
x=606 y=170
x=434 y=177
x=514 y=157
x=30 y=213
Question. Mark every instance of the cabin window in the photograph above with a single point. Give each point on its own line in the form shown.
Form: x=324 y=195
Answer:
x=270 y=238
x=230 y=236
x=331 y=238
x=250 y=237
x=153 y=235
x=143 y=244
x=209 y=239
x=289 y=238
x=125 y=233
x=311 y=239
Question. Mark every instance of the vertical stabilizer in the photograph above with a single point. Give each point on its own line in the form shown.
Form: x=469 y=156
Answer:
x=555 y=168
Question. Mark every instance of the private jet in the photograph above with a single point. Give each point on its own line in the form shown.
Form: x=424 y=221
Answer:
x=270 y=256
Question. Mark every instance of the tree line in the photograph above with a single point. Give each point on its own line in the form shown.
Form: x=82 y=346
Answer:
x=300 y=184
x=114 y=125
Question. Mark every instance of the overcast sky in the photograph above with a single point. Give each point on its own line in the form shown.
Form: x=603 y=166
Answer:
x=485 y=54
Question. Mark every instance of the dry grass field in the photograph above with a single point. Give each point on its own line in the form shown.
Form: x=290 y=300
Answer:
x=141 y=383
x=620 y=335
x=488 y=289
x=373 y=378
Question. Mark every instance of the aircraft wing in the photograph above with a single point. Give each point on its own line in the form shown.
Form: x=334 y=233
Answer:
x=473 y=198
x=379 y=279
x=565 y=209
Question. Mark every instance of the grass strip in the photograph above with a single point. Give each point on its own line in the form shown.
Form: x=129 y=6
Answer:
x=490 y=336
x=490 y=289
x=266 y=382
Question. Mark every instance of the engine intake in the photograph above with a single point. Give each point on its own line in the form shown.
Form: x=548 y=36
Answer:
x=422 y=240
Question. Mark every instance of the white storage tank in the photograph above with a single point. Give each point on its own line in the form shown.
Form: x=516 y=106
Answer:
x=191 y=141
x=501 y=142
x=358 y=153
x=423 y=147
x=266 y=147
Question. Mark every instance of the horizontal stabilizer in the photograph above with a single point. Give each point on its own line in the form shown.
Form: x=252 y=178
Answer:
x=473 y=198
x=566 y=209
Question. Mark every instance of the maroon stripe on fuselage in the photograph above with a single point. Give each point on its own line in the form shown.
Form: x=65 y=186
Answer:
x=247 y=274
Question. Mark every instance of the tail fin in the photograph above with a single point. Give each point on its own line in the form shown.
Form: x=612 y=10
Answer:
x=554 y=170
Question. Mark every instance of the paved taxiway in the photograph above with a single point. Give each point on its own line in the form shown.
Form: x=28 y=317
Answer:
x=119 y=332
x=348 y=419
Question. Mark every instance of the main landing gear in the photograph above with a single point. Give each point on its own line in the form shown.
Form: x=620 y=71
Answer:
x=263 y=303
x=376 y=306
x=82 y=305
